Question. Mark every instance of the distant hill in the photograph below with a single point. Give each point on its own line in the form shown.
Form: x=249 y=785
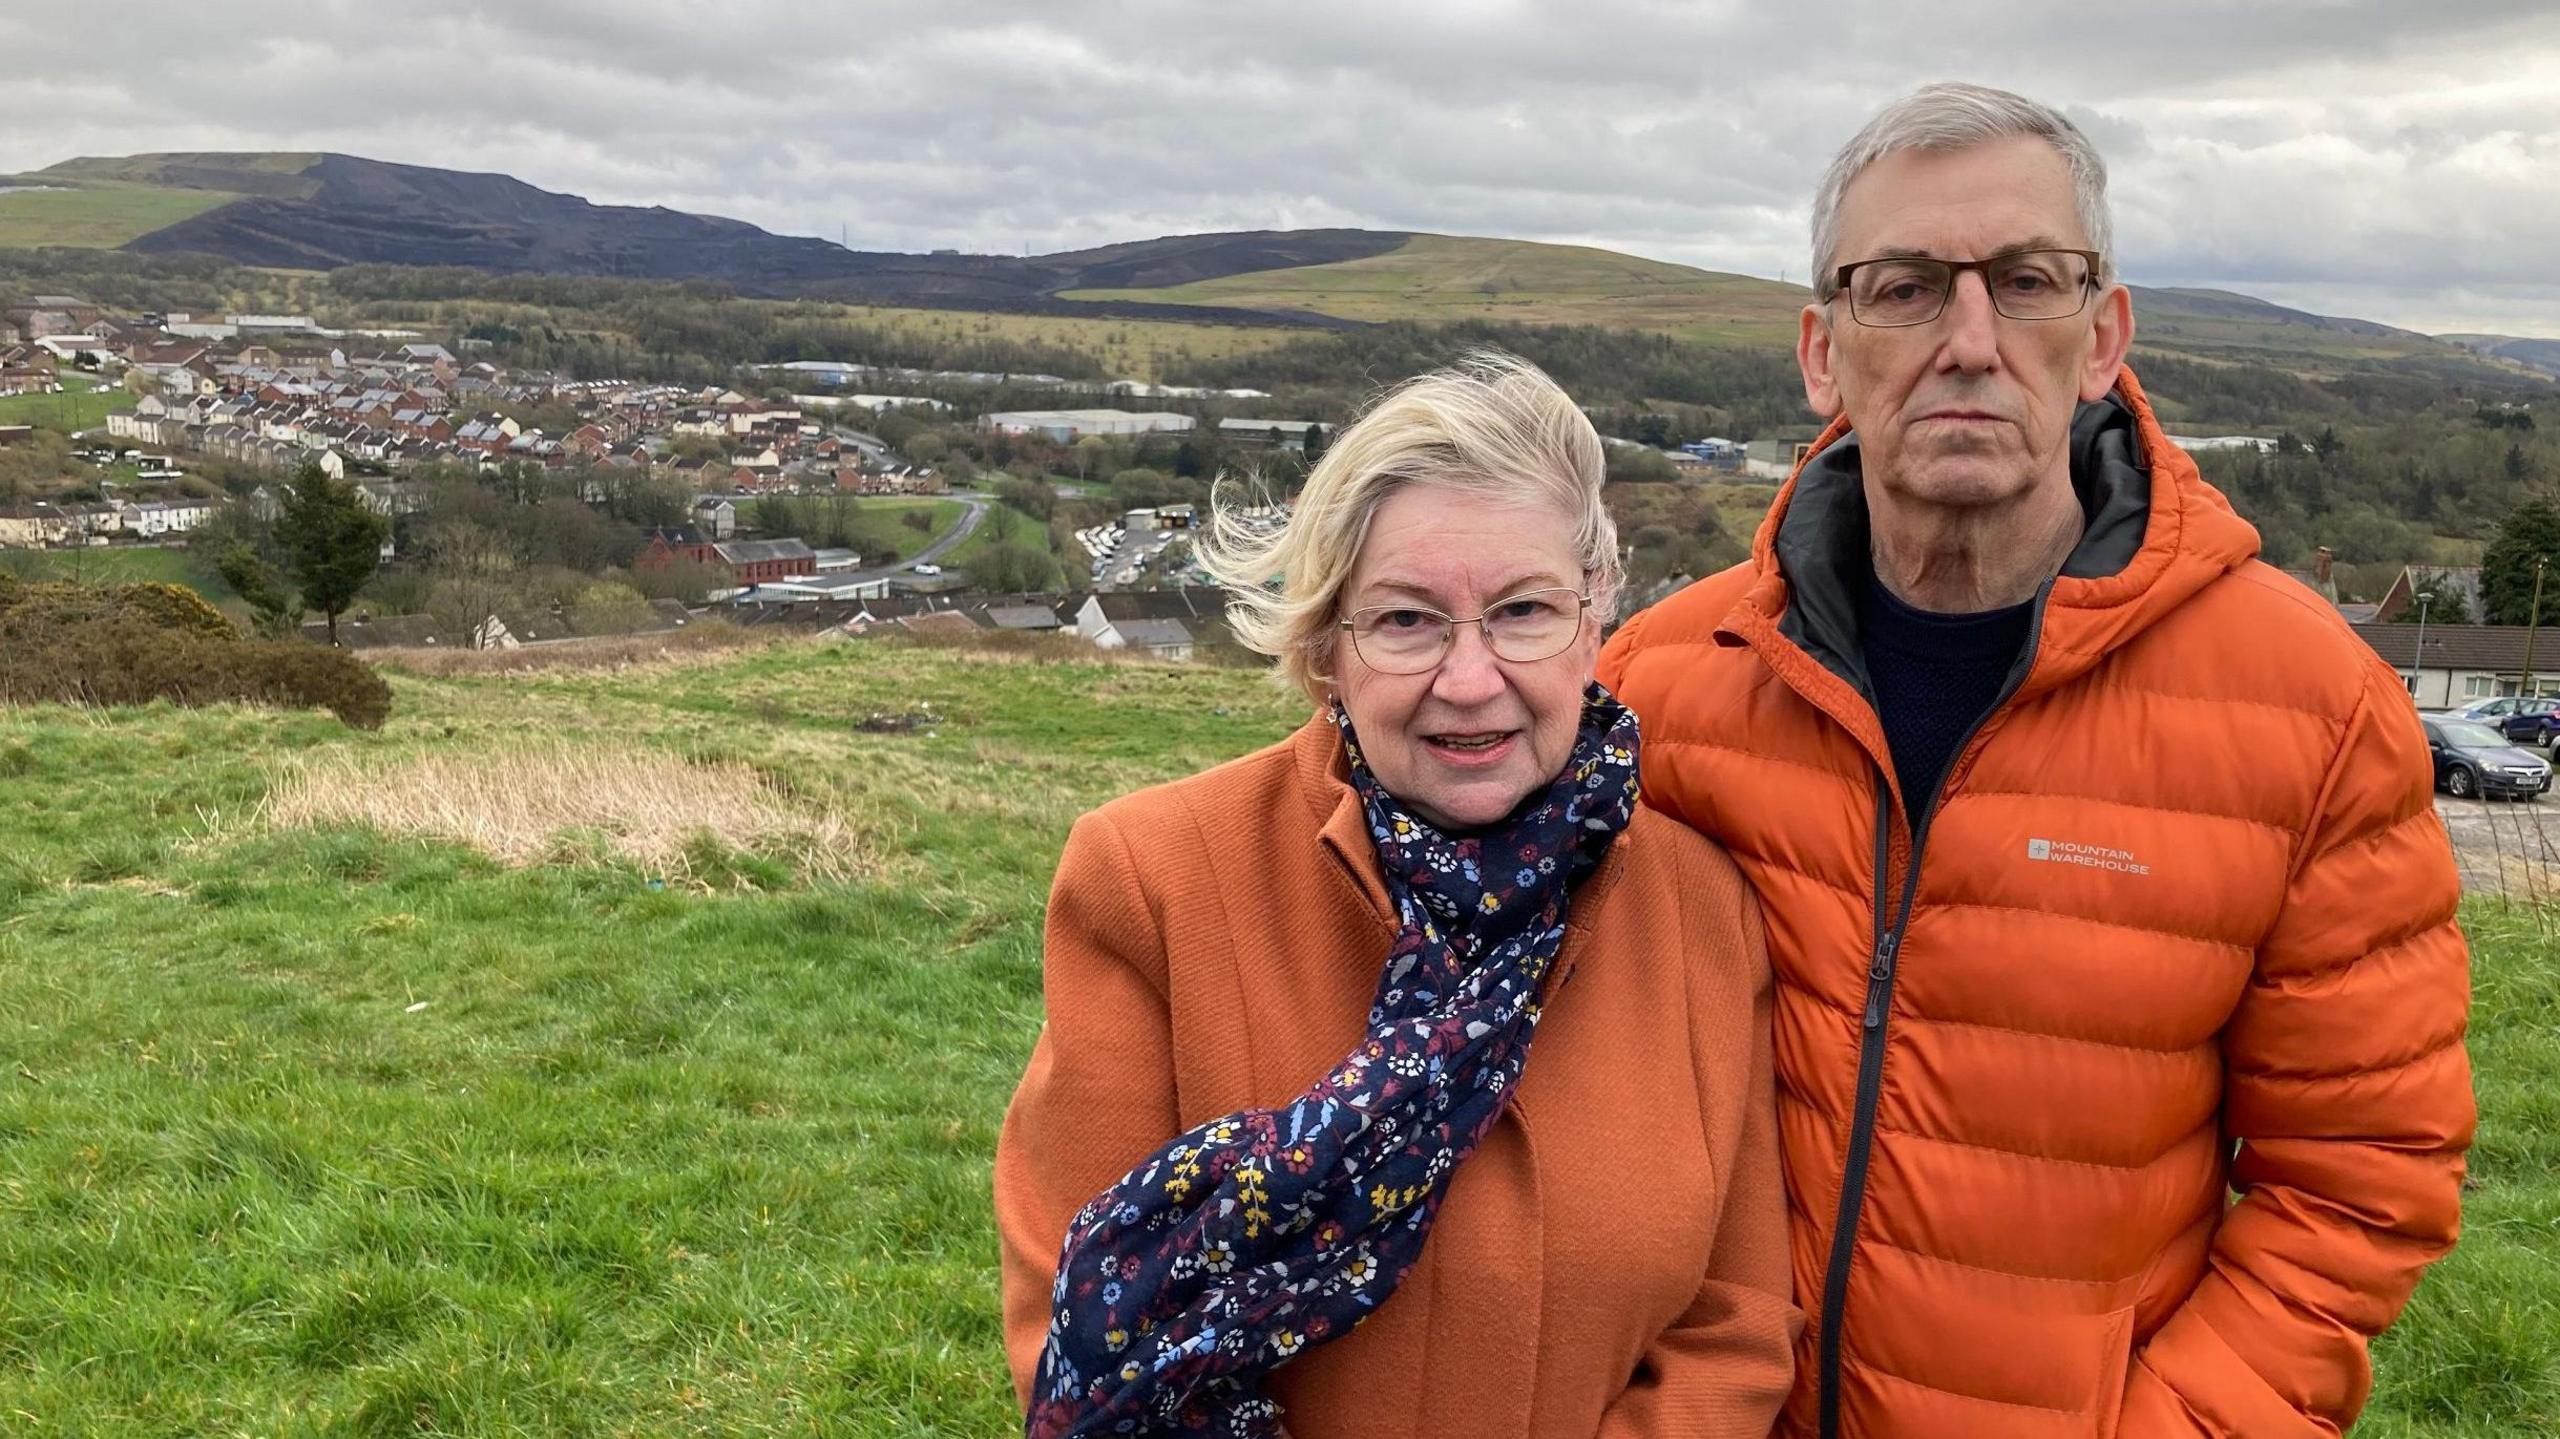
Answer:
x=324 y=211
x=2538 y=355
x=306 y=211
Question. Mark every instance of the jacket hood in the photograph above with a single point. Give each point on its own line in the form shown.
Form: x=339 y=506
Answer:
x=2154 y=534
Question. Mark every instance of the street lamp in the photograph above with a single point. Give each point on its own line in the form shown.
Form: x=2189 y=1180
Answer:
x=2418 y=660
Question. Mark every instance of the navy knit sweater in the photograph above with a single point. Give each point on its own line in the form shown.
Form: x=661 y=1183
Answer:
x=1934 y=676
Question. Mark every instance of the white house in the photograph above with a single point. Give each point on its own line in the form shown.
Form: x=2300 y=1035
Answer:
x=151 y=519
x=2463 y=663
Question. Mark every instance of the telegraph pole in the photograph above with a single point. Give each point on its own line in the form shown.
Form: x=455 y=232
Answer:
x=2532 y=621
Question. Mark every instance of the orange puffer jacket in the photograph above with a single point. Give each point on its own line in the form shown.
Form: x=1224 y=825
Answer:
x=2182 y=893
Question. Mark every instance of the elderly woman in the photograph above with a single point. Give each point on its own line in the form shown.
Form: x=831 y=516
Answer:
x=1415 y=1023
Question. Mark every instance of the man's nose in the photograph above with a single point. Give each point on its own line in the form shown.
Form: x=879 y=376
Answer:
x=1973 y=325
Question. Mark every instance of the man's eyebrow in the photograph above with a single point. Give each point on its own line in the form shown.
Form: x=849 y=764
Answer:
x=2032 y=242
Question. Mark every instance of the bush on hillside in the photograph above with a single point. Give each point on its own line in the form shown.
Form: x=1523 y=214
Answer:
x=132 y=644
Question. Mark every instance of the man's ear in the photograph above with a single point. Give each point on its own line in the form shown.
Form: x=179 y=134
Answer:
x=2110 y=338
x=1813 y=356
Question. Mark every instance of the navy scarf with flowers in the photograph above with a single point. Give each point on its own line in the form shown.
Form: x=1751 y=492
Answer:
x=1255 y=1237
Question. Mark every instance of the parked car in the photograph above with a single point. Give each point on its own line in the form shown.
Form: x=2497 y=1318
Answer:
x=2521 y=718
x=2472 y=758
x=928 y=569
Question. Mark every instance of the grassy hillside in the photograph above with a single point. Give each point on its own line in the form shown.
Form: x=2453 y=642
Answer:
x=1453 y=277
x=119 y=565
x=1446 y=277
x=83 y=404
x=316 y=1130
x=95 y=217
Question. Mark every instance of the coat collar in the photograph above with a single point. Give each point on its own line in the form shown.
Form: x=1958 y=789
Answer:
x=1342 y=827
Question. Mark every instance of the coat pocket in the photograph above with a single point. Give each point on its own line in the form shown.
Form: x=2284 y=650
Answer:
x=2115 y=1365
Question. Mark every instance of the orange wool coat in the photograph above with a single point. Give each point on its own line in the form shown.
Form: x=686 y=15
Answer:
x=2182 y=925
x=1611 y=1261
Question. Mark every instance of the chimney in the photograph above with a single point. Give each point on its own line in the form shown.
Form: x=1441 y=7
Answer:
x=2320 y=560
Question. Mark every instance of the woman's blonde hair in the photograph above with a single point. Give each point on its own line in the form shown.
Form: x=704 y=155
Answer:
x=1492 y=426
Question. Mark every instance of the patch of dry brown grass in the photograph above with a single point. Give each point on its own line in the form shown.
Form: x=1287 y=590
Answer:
x=547 y=802
x=701 y=639
x=1013 y=646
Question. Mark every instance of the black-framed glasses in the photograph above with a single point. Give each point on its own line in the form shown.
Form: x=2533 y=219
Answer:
x=1901 y=290
x=1409 y=639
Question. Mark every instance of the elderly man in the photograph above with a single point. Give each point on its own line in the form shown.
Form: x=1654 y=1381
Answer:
x=2101 y=875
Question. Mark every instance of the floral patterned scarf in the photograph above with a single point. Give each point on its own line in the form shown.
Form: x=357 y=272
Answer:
x=1255 y=1237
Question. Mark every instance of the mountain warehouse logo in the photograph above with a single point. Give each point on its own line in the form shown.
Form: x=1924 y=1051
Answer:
x=2093 y=856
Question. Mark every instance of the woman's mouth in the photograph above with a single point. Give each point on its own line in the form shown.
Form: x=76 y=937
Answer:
x=1473 y=747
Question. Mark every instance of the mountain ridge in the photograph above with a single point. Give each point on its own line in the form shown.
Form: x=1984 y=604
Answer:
x=322 y=210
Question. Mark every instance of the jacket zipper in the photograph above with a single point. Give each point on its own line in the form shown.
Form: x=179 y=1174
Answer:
x=1882 y=959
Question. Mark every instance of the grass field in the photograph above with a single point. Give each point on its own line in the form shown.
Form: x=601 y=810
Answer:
x=1128 y=349
x=1451 y=277
x=96 y=216
x=75 y=409
x=316 y=1132
x=118 y=565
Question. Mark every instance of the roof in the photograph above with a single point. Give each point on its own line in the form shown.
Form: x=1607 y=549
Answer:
x=1150 y=634
x=1022 y=617
x=2498 y=649
x=751 y=552
x=939 y=622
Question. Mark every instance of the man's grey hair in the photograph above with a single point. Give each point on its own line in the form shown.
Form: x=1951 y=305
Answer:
x=1957 y=117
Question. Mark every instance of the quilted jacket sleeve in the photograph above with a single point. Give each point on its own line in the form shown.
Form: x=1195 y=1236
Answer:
x=1098 y=1094
x=2348 y=1091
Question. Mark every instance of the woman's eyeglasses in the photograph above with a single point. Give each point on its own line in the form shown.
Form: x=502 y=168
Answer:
x=1409 y=639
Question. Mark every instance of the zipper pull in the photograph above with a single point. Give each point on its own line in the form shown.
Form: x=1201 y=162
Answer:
x=1879 y=974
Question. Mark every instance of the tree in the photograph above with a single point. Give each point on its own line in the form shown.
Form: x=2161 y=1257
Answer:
x=473 y=572
x=1091 y=453
x=332 y=541
x=2445 y=604
x=261 y=586
x=1033 y=497
x=1013 y=568
x=2530 y=532
x=608 y=607
x=1639 y=465
x=1315 y=444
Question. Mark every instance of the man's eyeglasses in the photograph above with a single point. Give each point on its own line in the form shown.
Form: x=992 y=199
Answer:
x=1409 y=639
x=2026 y=285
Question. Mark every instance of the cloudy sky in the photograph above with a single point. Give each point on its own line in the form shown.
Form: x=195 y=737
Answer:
x=2378 y=158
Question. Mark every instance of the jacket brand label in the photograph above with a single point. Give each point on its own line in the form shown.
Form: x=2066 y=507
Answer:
x=2093 y=856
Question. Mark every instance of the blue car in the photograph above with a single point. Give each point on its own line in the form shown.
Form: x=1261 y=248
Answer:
x=2523 y=719
x=2473 y=759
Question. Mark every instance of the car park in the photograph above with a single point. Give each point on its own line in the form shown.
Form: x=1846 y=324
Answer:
x=2523 y=719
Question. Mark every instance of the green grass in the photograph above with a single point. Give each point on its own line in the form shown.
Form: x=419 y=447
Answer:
x=648 y=1161
x=1456 y=277
x=118 y=566
x=73 y=410
x=1006 y=525
x=314 y=1134
x=97 y=216
x=880 y=524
